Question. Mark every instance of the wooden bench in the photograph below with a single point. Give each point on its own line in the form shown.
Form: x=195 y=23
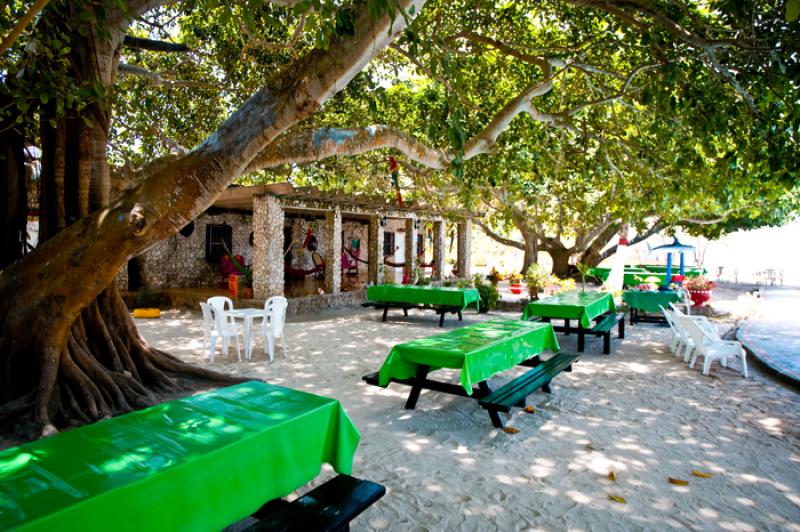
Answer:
x=515 y=392
x=440 y=309
x=328 y=507
x=603 y=328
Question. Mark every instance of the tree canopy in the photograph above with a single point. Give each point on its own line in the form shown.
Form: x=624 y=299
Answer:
x=567 y=118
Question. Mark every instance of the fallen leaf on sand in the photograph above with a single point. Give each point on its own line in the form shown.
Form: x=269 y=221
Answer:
x=701 y=474
x=678 y=481
x=589 y=446
x=510 y=430
x=617 y=498
x=612 y=476
x=530 y=410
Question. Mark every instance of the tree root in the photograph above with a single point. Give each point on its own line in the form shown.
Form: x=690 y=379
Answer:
x=104 y=368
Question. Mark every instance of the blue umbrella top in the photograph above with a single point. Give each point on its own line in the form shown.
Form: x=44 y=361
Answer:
x=675 y=247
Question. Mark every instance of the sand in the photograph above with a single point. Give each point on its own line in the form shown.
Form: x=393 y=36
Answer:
x=639 y=412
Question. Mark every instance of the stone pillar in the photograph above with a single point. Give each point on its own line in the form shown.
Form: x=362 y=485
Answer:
x=464 y=251
x=375 y=250
x=439 y=247
x=411 y=246
x=267 y=247
x=332 y=251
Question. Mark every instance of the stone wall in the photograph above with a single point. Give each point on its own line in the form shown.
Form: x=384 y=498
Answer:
x=180 y=261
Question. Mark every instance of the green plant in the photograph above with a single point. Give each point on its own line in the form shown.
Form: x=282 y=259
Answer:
x=146 y=298
x=566 y=285
x=489 y=297
x=515 y=278
x=583 y=269
x=463 y=283
x=699 y=283
x=537 y=279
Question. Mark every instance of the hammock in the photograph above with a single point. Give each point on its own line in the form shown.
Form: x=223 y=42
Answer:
x=349 y=251
x=319 y=266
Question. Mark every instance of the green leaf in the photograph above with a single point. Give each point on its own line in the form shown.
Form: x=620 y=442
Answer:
x=792 y=10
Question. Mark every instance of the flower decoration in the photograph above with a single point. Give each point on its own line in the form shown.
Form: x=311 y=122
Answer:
x=700 y=283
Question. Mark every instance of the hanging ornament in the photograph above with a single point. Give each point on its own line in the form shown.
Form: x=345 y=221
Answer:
x=395 y=180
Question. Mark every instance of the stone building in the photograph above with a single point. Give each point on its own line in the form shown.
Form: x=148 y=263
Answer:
x=301 y=242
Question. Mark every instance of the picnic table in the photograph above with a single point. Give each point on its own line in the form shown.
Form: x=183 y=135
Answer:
x=584 y=308
x=479 y=351
x=634 y=275
x=442 y=299
x=197 y=463
x=649 y=301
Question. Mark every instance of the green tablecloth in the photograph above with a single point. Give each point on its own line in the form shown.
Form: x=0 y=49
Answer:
x=634 y=275
x=583 y=306
x=479 y=351
x=650 y=300
x=198 y=463
x=424 y=295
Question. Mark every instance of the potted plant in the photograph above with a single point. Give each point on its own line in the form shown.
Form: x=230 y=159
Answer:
x=488 y=292
x=584 y=270
x=699 y=290
x=537 y=280
x=515 y=283
x=494 y=277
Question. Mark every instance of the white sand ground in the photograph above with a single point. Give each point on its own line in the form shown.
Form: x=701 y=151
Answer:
x=639 y=412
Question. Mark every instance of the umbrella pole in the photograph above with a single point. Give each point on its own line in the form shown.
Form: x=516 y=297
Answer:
x=683 y=265
x=668 y=277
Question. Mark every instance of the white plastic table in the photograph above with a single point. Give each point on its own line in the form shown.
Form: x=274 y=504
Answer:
x=246 y=314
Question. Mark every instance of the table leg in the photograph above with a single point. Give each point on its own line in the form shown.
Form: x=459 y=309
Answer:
x=494 y=415
x=248 y=321
x=385 y=312
x=416 y=388
x=581 y=337
x=566 y=326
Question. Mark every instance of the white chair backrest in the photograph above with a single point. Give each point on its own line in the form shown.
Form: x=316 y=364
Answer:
x=675 y=309
x=208 y=318
x=696 y=333
x=275 y=314
x=670 y=318
x=221 y=303
x=219 y=319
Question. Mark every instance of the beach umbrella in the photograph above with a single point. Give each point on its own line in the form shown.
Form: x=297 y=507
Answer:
x=669 y=249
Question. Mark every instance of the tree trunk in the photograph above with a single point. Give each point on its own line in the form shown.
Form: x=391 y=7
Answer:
x=561 y=266
x=13 y=190
x=531 y=252
x=592 y=256
x=66 y=363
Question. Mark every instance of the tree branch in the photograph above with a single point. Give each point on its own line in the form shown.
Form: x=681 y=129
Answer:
x=20 y=26
x=154 y=46
x=156 y=79
x=657 y=226
x=494 y=236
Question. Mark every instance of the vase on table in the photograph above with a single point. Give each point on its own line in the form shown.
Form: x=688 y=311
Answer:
x=699 y=297
x=516 y=288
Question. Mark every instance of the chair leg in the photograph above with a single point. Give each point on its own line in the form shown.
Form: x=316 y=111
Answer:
x=226 y=343
x=271 y=347
x=283 y=346
x=212 y=348
x=694 y=359
x=707 y=365
x=238 y=348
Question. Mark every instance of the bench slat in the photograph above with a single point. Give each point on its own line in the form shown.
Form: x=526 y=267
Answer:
x=512 y=393
x=328 y=507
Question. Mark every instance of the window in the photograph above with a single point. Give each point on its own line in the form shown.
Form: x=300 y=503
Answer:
x=218 y=236
x=388 y=244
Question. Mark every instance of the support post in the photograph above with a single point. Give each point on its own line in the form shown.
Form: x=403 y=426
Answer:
x=464 y=251
x=268 y=219
x=333 y=251
x=439 y=247
x=668 y=276
x=375 y=250
x=410 y=247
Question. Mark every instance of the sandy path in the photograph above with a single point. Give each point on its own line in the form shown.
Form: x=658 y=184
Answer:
x=639 y=412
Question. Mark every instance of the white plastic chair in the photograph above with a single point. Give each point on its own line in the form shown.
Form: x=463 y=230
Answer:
x=272 y=325
x=675 y=341
x=685 y=302
x=712 y=348
x=215 y=327
x=222 y=303
x=686 y=342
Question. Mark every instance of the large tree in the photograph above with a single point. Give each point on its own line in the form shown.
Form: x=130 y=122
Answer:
x=281 y=73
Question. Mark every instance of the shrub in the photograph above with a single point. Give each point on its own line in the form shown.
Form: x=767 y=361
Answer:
x=537 y=280
x=489 y=297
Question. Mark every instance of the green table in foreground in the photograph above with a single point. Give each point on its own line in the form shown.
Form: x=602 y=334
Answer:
x=650 y=301
x=198 y=463
x=443 y=299
x=480 y=351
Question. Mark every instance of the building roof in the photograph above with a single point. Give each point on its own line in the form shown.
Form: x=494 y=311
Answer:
x=312 y=199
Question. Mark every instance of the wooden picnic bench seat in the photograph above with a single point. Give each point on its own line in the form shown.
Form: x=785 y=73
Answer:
x=515 y=392
x=603 y=328
x=440 y=309
x=328 y=507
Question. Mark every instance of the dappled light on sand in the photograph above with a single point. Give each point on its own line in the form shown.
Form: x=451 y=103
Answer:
x=639 y=413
